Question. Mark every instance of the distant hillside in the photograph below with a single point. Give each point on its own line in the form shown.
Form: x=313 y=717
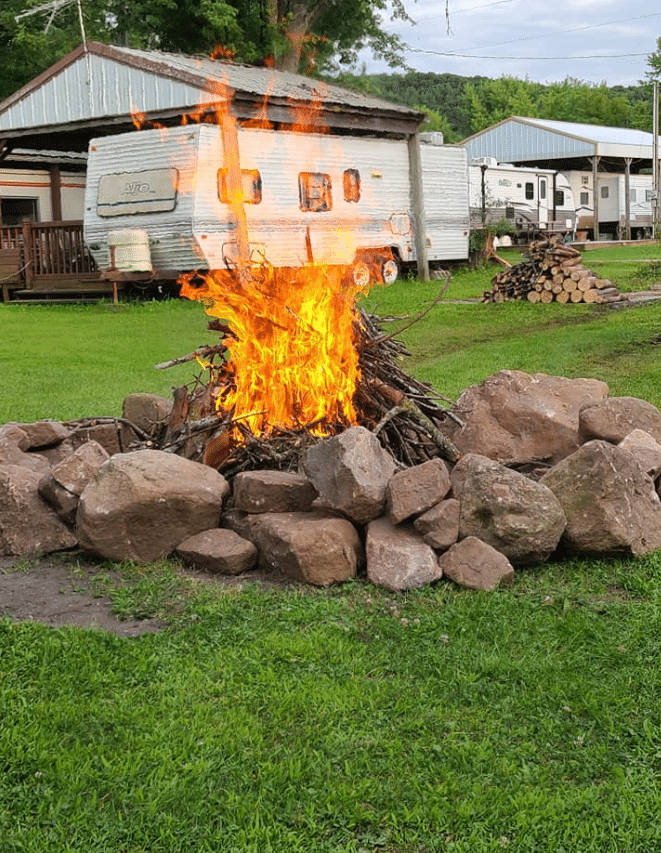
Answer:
x=461 y=106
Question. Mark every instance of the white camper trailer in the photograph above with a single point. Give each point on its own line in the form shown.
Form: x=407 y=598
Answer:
x=157 y=201
x=612 y=204
x=535 y=201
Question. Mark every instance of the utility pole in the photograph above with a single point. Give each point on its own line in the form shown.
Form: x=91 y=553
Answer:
x=655 y=157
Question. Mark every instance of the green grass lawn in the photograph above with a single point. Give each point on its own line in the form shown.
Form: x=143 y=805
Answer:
x=347 y=720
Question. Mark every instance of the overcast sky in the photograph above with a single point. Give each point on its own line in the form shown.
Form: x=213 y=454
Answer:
x=542 y=40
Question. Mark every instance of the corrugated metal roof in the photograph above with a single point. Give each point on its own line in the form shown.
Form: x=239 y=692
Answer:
x=521 y=139
x=594 y=133
x=108 y=81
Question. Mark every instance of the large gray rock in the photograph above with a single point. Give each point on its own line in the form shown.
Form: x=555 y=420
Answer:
x=414 y=490
x=272 y=491
x=517 y=417
x=219 y=551
x=350 y=472
x=609 y=501
x=27 y=524
x=141 y=505
x=475 y=564
x=612 y=419
x=515 y=515
x=397 y=558
x=439 y=526
x=312 y=547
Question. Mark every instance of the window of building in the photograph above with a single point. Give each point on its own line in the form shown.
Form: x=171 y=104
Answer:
x=559 y=198
x=509 y=213
x=585 y=198
x=530 y=190
x=649 y=195
x=632 y=194
x=542 y=189
x=251 y=184
x=351 y=181
x=14 y=210
x=314 y=192
x=585 y=180
x=604 y=192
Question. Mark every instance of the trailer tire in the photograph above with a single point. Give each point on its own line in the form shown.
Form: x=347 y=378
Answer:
x=390 y=271
x=360 y=274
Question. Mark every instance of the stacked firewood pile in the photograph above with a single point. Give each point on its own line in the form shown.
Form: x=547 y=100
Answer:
x=552 y=272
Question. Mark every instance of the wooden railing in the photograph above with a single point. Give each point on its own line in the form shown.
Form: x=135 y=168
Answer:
x=51 y=252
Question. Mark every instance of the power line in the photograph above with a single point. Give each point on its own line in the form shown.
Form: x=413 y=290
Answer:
x=557 y=33
x=472 y=56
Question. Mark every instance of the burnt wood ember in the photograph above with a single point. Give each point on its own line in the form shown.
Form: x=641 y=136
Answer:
x=551 y=272
x=407 y=415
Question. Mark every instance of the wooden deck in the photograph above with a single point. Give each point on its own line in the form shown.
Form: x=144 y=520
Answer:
x=46 y=260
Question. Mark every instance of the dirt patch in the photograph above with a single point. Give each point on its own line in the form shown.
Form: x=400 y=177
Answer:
x=59 y=590
x=55 y=593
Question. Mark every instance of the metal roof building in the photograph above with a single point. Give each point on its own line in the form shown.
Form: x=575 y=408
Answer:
x=562 y=144
x=97 y=88
x=567 y=146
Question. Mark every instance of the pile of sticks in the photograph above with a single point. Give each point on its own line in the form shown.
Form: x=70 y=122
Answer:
x=410 y=419
x=552 y=272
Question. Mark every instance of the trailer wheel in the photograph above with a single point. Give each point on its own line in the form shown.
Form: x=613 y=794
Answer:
x=390 y=271
x=360 y=273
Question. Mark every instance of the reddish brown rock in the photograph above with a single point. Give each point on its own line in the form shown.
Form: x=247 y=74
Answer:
x=27 y=525
x=272 y=491
x=414 y=490
x=475 y=564
x=312 y=547
x=397 y=558
x=609 y=501
x=613 y=419
x=350 y=472
x=141 y=505
x=45 y=433
x=517 y=417
x=515 y=515
x=439 y=526
x=645 y=449
x=14 y=444
x=147 y=411
x=62 y=486
x=219 y=551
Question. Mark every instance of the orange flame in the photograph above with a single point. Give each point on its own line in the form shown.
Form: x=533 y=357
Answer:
x=294 y=360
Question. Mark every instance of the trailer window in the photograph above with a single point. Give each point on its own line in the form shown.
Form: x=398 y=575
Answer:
x=542 y=189
x=530 y=190
x=559 y=198
x=509 y=213
x=632 y=195
x=251 y=184
x=585 y=198
x=351 y=180
x=605 y=192
x=314 y=191
x=14 y=210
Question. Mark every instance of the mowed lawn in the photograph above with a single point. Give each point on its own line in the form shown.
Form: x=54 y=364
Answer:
x=342 y=720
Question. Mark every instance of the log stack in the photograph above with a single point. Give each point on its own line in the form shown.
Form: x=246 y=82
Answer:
x=552 y=272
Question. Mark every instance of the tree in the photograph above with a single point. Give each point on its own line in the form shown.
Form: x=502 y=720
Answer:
x=292 y=35
x=654 y=62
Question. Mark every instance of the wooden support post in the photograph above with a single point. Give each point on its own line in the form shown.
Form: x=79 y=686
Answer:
x=234 y=186
x=595 y=194
x=418 y=202
x=55 y=194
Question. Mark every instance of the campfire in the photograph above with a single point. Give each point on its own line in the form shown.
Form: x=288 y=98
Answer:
x=296 y=359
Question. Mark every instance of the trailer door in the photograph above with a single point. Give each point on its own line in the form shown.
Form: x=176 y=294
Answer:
x=542 y=200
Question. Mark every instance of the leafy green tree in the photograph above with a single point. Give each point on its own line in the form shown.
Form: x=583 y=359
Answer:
x=654 y=62
x=491 y=101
